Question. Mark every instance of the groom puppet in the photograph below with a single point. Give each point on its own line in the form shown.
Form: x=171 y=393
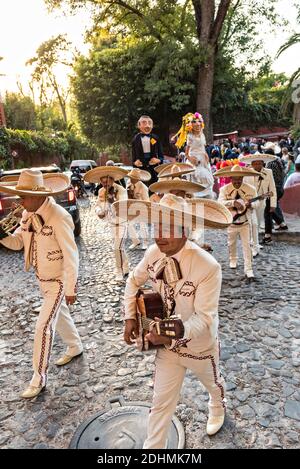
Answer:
x=146 y=148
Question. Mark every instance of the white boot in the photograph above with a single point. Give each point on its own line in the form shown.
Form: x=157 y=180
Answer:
x=214 y=424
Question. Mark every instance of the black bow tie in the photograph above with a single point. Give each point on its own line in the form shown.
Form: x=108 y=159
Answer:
x=260 y=178
x=145 y=135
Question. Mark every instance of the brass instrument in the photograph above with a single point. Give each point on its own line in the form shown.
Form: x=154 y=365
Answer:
x=12 y=220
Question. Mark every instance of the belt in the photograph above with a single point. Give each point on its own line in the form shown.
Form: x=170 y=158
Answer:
x=242 y=223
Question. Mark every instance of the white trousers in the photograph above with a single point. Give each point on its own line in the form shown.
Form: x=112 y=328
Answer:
x=169 y=376
x=119 y=233
x=244 y=232
x=133 y=233
x=54 y=315
x=257 y=220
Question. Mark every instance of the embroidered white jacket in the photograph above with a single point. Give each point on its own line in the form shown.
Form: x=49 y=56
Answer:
x=265 y=185
x=104 y=207
x=246 y=192
x=53 y=252
x=140 y=190
x=196 y=294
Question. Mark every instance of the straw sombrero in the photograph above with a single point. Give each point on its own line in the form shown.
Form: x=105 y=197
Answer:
x=170 y=209
x=139 y=174
x=176 y=170
x=235 y=171
x=248 y=159
x=216 y=215
x=34 y=183
x=176 y=184
x=94 y=175
x=159 y=168
x=272 y=146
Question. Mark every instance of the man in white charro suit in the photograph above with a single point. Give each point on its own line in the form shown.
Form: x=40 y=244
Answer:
x=263 y=184
x=46 y=233
x=107 y=195
x=189 y=281
x=237 y=197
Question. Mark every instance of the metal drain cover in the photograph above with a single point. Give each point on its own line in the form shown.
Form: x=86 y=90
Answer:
x=122 y=426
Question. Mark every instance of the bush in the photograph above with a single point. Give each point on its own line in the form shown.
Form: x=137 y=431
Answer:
x=65 y=145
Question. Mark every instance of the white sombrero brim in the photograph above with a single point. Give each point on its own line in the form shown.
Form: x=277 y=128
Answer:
x=164 y=187
x=184 y=168
x=216 y=215
x=262 y=157
x=151 y=212
x=54 y=183
x=160 y=167
x=94 y=175
x=225 y=173
x=178 y=174
x=143 y=176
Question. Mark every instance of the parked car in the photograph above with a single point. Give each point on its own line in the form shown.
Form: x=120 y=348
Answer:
x=84 y=166
x=67 y=199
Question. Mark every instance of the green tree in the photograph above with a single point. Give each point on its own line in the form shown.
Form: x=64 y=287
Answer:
x=120 y=80
x=207 y=27
x=294 y=83
x=19 y=111
x=49 y=55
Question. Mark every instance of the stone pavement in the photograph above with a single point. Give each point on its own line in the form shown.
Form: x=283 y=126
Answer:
x=260 y=358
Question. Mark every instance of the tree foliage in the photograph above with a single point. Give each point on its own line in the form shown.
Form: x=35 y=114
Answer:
x=66 y=145
x=49 y=55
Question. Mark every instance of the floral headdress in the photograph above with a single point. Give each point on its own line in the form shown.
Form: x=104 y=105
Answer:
x=186 y=127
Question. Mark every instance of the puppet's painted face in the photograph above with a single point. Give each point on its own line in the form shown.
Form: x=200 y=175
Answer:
x=146 y=126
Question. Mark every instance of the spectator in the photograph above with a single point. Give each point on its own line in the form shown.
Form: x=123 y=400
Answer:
x=294 y=178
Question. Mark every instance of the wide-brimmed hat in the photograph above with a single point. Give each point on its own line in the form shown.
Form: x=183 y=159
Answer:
x=248 y=159
x=33 y=183
x=176 y=184
x=236 y=171
x=216 y=215
x=139 y=174
x=272 y=146
x=170 y=210
x=176 y=170
x=95 y=174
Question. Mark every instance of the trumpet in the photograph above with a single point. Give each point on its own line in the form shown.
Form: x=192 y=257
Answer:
x=12 y=220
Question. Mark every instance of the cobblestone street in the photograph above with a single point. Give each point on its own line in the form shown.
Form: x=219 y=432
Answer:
x=260 y=356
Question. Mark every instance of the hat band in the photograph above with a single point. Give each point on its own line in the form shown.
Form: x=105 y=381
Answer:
x=33 y=189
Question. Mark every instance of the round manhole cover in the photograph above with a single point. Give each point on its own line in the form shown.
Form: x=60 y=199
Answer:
x=122 y=426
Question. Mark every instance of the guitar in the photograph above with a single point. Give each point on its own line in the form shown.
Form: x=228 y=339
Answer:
x=150 y=306
x=240 y=213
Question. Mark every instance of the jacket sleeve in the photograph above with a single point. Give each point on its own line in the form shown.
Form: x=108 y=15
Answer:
x=206 y=305
x=222 y=198
x=65 y=238
x=135 y=156
x=14 y=241
x=136 y=279
x=160 y=154
x=100 y=206
x=144 y=192
x=272 y=188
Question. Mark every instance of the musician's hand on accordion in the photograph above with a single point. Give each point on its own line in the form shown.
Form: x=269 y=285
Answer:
x=164 y=330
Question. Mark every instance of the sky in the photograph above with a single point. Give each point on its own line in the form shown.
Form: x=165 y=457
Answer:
x=25 y=24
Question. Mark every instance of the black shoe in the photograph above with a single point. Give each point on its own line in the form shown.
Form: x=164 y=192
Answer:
x=282 y=228
x=267 y=240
